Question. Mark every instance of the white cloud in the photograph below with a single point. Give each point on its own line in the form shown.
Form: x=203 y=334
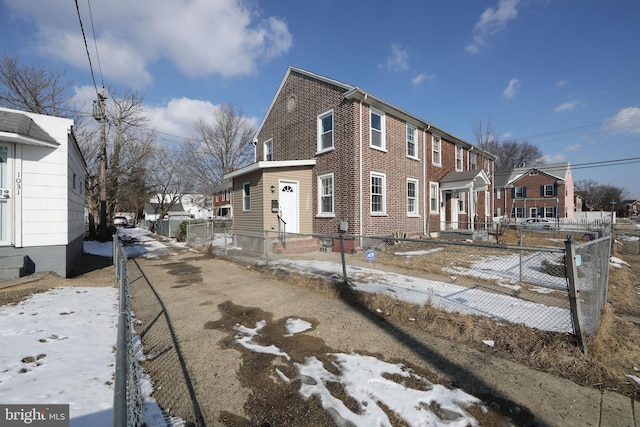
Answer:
x=562 y=83
x=574 y=147
x=423 y=77
x=199 y=37
x=491 y=22
x=399 y=59
x=512 y=88
x=557 y=158
x=567 y=106
x=627 y=120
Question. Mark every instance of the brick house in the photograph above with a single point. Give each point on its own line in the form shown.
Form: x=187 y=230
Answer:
x=328 y=153
x=222 y=196
x=540 y=191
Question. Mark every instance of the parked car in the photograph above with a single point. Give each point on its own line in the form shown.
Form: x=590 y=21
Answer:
x=536 y=224
x=120 y=221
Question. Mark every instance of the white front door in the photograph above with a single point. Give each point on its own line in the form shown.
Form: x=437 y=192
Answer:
x=6 y=195
x=289 y=205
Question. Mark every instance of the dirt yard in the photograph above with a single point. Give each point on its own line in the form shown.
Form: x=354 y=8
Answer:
x=187 y=305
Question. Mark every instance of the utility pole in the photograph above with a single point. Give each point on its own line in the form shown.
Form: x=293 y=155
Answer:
x=101 y=117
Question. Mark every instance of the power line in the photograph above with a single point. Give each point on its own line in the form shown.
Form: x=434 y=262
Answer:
x=95 y=42
x=86 y=47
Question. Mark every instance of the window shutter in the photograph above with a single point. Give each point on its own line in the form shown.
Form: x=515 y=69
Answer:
x=513 y=193
x=524 y=192
x=555 y=189
x=542 y=191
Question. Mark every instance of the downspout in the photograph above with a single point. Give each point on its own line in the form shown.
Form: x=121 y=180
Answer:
x=425 y=223
x=360 y=213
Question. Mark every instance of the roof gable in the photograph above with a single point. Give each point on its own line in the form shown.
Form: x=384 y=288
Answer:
x=557 y=171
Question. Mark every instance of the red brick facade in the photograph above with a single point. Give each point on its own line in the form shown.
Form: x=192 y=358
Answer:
x=291 y=124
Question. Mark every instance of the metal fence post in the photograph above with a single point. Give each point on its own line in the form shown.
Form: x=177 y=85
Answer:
x=521 y=244
x=344 y=264
x=574 y=297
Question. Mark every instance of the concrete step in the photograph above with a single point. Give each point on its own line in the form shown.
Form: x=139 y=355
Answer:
x=12 y=267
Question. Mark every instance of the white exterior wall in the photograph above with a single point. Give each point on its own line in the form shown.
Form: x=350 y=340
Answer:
x=52 y=212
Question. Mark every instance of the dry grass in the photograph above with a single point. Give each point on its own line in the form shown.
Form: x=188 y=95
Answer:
x=614 y=351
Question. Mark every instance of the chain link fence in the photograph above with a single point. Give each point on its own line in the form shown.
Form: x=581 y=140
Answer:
x=127 y=397
x=522 y=280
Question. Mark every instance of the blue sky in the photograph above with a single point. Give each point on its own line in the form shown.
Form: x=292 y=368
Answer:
x=561 y=74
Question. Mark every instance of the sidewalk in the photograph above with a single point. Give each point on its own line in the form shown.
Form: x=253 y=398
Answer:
x=194 y=288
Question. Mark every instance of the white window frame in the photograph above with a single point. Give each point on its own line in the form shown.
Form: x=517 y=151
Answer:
x=412 y=141
x=383 y=201
x=246 y=197
x=322 y=132
x=462 y=201
x=548 y=212
x=496 y=193
x=383 y=146
x=413 y=199
x=436 y=150
x=517 y=212
x=434 y=196
x=520 y=190
x=459 y=158
x=473 y=161
x=321 y=195
x=550 y=187
x=268 y=150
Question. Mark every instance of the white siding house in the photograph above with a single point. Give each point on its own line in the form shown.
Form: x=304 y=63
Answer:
x=42 y=177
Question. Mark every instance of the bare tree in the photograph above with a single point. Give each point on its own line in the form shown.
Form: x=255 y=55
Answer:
x=510 y=154
x=129 y=151
x=167 y=177
x=596 y=196
x=34 y=89
x=225 y=145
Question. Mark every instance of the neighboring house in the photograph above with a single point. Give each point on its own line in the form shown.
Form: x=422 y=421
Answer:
x=529 y=192
x=42 y=194
x=630 y=207
x=198 y=206
x=222 y=196
x=152 y=212
x=328 y=153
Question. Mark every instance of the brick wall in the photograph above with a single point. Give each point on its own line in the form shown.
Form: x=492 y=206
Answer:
x=292 y=125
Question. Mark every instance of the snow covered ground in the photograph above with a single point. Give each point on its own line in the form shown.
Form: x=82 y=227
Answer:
x=58 y=346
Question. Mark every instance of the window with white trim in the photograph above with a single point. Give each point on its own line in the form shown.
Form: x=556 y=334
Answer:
x=436 y=150
x=377 y=139
x=412 y=146
x=462 y=201
x=434 y=197
x=549 y=212
x=325 y=195
x=246 y=196
x=378 y=193
x=412 y=197
x=459 y=157
x=473 y=161
x=487 y=166
x=548 y=190
x=268 y=150
x=519 y=192
x=517 y=213
x=325 y=131
x=496 y=193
